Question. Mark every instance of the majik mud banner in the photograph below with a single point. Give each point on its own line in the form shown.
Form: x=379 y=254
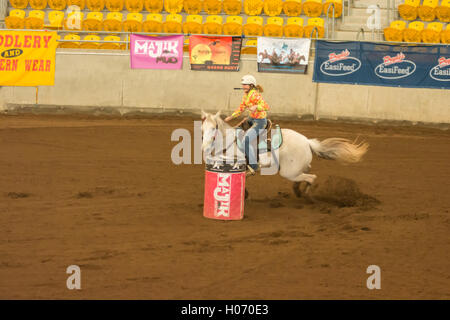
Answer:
x=27 y=58
x=283 y=55
x=215 y=53
x=410 y=66
x=156 y=52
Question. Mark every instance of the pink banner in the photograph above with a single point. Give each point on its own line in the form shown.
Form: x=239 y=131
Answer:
x=156 y=52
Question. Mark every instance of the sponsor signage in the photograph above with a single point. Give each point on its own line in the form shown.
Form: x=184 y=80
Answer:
x=382 y=64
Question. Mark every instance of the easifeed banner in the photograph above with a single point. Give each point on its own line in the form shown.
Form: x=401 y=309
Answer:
x=27 y=58
x=148 y=52
x=409 y=66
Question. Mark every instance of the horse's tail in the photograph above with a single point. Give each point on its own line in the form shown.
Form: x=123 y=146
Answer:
x=339 y=149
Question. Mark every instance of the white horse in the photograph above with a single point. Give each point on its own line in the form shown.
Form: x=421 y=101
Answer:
x=294 y=155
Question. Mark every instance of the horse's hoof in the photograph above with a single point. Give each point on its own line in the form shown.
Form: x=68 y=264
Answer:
x=296 y=188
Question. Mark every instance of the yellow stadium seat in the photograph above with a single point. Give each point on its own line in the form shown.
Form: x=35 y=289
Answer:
x=55 y=19
x=173 y=6
x=173 y=23
x=395 y=31
x=19 y=4
x=192 y=6
x=254 y=26
x=293 y=28
x=250 y=47
x=253 y=7
x=443 y=11
x=93 y=21
x=74 y=21
x=432 y=33
x=314 y=24
x=114 y=5
x=90 y=45
x=154 y=6
x=413 y=32
x=133 y=23
x=312 y=8
x=38 y=4
x=212 y=6
x=274 y=27
x=16 y=19
x=95 y=5
x=213 y=25
x=427 y=9
x=233 y=26
x=35 y=19
x=153 y=23
x=110 y=45
x=113 y=22
x=232 y=7
x=57 y=4
x=292 y=8
x=134 y=5
x=74 y=43
x=273 y=7
x=445 y=35
x=337 y=8
x=408 y=10
x=193 y=24
x=79 y=3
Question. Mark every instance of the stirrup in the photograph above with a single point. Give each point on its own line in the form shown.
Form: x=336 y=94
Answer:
x=250 y=171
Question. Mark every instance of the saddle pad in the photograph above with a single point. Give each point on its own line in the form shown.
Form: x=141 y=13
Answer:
x=277 y=139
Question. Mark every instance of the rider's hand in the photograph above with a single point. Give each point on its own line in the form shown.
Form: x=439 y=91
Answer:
x=252 y=108
x=228 y=118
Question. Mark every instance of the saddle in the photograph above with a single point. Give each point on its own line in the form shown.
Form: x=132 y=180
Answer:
x=270 y=139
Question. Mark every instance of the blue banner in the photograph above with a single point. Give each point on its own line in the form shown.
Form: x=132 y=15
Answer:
x=410 y=66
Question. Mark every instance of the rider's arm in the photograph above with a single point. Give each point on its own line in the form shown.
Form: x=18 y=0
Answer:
x=239 y=110
x=257 y=100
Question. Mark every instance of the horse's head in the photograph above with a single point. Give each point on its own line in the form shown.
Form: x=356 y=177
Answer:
x=210 y=125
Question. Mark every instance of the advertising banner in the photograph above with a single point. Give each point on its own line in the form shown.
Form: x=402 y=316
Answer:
x=148 y=52
x=27 y=58
x=283 y=55
x=215 y=53
x=409 y=66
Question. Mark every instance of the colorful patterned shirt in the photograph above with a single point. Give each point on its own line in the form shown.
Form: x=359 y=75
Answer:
x=253 y=98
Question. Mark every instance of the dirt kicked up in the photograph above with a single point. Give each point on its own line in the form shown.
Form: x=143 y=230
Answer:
x=103 y=194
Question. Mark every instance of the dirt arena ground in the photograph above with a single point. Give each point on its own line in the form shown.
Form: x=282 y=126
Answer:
x=103 y=194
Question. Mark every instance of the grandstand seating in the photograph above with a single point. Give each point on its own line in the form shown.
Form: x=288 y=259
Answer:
x=90 y=45
x=114 y=5
x=134 y=6
x=173 y=6
x=445 y=35
x=408 y=10
x=253 y=26
x=233 y=26
x=413 y=32
x=38 y=4
x=35 y=19
x=293 y=28
x=232 y=7
x=313 y=8
x=426 y=10
x=173 y=24
x=395 y=31
x=74 y=21
x=212 y=6
x=253 y=7
x=19 y=4
x=133 y=23
x=192 y=6
x=250 y=47
x=96 y=5
x=110 y=45
x=312 y=25
x=153 y=23
x=337 y=8
x=79 y=3
x=154 y=6
x=93 y=21
x=74 y=44
x=57 y=4
x=193 y=24
x=292 y=8
x=55 y=19
x=432 y=33
x=16 y=19
x=273 y=27
x=213 y=25
x=273 y=7
x=113 y=22
x=443 y=11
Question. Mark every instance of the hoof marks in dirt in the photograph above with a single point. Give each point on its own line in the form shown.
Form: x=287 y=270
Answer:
x=18 y=195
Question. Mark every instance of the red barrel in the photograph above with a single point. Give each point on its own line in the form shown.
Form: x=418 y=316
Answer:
x=224 y=191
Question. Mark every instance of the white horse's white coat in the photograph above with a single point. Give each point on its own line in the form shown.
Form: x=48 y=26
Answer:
x=295 y=154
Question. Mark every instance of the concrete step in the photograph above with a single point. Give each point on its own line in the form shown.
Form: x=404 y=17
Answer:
x=381 y=3
x=356 y=27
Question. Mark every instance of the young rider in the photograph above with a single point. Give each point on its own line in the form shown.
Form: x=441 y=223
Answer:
x=253 y=101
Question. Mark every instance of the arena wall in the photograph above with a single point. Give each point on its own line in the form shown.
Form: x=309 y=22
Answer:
x=88 y=81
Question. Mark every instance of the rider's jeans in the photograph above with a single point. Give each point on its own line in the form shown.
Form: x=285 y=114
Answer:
x=257 y=125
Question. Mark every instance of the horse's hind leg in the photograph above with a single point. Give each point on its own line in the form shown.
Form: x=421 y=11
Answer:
x=304 y=177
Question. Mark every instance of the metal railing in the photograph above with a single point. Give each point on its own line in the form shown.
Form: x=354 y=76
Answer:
x=333 y=20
